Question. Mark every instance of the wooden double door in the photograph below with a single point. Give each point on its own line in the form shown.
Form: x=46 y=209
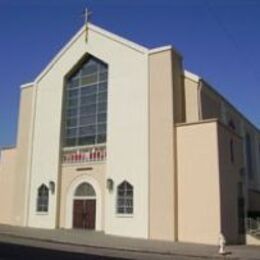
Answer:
x=84 y=213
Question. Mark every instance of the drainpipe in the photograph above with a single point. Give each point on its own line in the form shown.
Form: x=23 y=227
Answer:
x=199 y=100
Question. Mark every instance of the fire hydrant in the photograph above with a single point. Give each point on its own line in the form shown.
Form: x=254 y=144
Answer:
x=222 y=243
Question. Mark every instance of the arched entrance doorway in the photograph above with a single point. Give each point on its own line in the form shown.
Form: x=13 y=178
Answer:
x=84 y=207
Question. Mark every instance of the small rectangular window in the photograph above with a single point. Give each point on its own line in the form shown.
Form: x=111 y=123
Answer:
x=73 y=93
x=101 y=138
x=88 y=80
x=72 y=112
x=89 y=90
x=72 y=102
x=70 y=142
x=87 y=140
x=88 y=110
x=103 y=86
x=89 y=69
x=88 y=100
x=103 y=76
x=102 y=117
x=102 y=128
x=87 y=120
x=74 y=83
x=71 y=132
x=87 y=130
x=71 y=122
x=102 y=107
x=102 y=97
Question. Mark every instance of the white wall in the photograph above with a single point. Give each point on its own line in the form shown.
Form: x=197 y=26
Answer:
x=127 y=144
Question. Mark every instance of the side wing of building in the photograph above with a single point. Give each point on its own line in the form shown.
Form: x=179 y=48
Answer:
x=238 y=154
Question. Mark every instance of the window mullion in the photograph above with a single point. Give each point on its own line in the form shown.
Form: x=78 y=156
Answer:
x=78 y=111
x=96 y=128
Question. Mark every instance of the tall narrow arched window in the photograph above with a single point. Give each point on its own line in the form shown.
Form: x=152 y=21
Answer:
x=43 y=199
x=232 y=125
x=86 y=104
x=232 y=157
x=125 y=196
x=249 y=156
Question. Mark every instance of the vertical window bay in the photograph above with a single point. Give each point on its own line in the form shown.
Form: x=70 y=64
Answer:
x=86 y=104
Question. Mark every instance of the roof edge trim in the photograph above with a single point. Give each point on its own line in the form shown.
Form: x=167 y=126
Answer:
x=78 y=34
x=10 y=147
x=192 y=76
x=118 y=38
x=160 y=49
x=27 y=85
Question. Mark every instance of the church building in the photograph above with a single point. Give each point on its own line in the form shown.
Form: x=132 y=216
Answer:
x=115 y=137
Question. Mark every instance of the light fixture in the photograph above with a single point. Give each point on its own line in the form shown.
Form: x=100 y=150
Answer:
x=110 y=184
x=52 y=186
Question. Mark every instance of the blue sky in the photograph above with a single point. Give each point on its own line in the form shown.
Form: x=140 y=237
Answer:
x=219 y=40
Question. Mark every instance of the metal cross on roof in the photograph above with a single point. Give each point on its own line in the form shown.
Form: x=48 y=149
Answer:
x=87 y=15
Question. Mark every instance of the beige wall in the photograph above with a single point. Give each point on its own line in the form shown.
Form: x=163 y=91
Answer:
x=208 y=182
x=213 y=105
x=198 y=183
x=69 y=175
x=254 y=180
x=22 y=158
x=229 y=181
x=191 y=100
x=7 y=192
x=161 y=132
x=210 y=105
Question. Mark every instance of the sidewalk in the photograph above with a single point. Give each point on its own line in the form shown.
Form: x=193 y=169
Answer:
x=82 y=238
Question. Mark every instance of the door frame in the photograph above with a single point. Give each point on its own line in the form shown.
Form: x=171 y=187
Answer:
x=70 y=199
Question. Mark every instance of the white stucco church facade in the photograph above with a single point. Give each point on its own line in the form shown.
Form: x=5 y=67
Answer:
x=119 y=138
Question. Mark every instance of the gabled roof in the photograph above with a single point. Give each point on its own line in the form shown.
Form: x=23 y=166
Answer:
x=117 y=38
x=103 y=32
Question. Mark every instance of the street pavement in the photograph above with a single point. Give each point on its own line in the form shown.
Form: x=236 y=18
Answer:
x=19 y=252
x=78 y=244
x=15 y=248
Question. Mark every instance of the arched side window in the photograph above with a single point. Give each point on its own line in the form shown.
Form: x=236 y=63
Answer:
x=85 y=190
x=125 y=198
x=43 y=199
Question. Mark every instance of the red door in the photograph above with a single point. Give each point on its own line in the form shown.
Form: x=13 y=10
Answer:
x=84 y=214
